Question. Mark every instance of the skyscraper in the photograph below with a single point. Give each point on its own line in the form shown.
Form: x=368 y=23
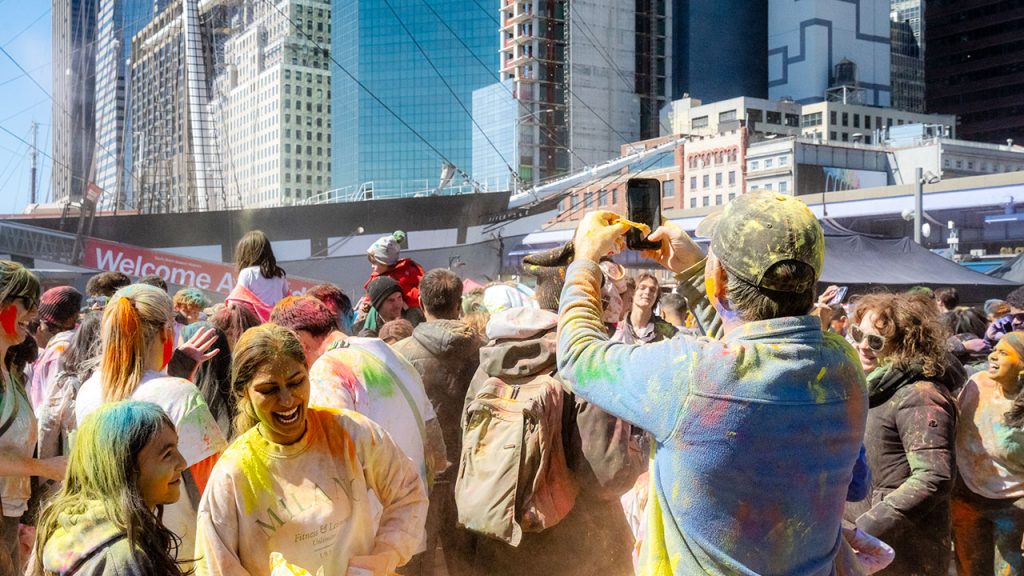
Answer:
x=118 y=21
x=423 y=59
x=907 y=27
x=973 y=66
x=175 y=159
x=74 y=97
x=808 y=41
x=273 y=105
x=719 y=49
x=585 y=77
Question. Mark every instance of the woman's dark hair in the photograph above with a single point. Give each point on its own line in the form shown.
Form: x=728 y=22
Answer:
x=103 y=469
x=213 y=378
x=254 y=250
x=965 y=320
x=233 y=320
x=83 y=353
x=910 y=324
x=21 y=355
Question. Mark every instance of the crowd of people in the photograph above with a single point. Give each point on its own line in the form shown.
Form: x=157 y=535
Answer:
x=582 y=420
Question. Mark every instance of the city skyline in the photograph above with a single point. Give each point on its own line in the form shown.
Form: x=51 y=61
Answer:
x=29 y=85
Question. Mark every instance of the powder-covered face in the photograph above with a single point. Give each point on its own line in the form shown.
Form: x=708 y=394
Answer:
x=160 y=468
x=1004 y=364
x=21 y=317
x=279 y=392
x=392 y=307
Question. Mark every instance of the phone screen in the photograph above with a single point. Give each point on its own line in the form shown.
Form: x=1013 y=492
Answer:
x=643 y=204
x=840 y=295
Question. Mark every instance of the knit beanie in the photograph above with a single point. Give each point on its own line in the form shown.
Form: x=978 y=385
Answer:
x=398 y=329
x=387 y=248
x=60 y=305
x=996 y=306
x=379 y=290
x=1016 y=341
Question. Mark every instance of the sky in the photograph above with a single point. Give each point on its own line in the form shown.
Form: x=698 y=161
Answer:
x=25 y=35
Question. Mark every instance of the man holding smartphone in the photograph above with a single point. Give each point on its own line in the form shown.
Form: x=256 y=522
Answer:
x=757 y=434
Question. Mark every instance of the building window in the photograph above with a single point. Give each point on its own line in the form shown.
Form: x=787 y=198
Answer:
x=812 y=119
x=832 y=117
x=755 y=165
x=856 y=120
x=732 y=178
x=700 y=122
x=774 y=117
x=783 y=160
x=754 y=115
x=693 y=182
x=732 y=196
x=768 y=163
x=707 y=180
x=718 y=199
x=602 y=198
x=846 y=118
x=727 y=116
x=668 y=188
x=718 y=180
x=768 y=186
x=846 y=137
x=832 y=135
x=783 y=186
x=793 y=120
x=693 y=202
x=588 y=200
x=867 y=122
x=615 y=197
x=706 y=201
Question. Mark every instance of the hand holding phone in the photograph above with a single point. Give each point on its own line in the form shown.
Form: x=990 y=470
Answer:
x=643 y=205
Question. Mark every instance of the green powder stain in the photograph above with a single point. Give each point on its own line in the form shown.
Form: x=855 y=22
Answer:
x=376 y=376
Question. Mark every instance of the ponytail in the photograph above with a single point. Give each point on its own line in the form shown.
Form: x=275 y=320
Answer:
x=134 y=317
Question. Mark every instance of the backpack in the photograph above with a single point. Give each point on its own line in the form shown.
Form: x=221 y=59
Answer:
x=513 y=477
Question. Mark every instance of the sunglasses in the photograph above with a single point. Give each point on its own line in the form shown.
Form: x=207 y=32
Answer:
x=875 y=341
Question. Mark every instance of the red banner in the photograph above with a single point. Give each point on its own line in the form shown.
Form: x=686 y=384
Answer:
x=180 y=270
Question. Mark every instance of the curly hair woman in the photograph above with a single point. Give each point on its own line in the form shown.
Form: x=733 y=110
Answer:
x=910 y=430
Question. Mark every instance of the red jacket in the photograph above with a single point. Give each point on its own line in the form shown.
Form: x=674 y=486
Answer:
x=408 y=275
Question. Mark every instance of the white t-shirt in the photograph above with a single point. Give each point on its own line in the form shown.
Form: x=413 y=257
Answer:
x=269 y=290
x=310 y=501
x=20 y=437
x=199 y=436
x=367 y=376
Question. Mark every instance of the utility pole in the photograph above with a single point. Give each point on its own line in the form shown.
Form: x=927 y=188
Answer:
x=918 y=203
x=35 y=154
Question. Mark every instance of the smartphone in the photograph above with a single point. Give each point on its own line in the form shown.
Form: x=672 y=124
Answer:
x=643 y=205
x=840 y=295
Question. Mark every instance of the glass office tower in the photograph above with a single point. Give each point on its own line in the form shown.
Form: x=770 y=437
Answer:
x=369 y=41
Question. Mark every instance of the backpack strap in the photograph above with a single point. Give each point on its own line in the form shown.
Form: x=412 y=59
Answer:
x=409 y=399
x=6 y=425
x=92 y=553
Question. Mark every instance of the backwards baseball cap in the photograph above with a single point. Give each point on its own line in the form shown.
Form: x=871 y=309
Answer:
x=758 y=230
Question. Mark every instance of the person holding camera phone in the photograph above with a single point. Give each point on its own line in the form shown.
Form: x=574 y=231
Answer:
x=756 y=434
x=988 y=497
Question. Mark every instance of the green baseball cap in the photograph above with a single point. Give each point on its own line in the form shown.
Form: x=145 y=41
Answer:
x=757 y=230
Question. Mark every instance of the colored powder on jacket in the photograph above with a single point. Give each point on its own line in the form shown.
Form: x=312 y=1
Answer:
x=755 y=443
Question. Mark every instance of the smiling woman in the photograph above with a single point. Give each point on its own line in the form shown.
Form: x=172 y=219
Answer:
x=124 y=468
x=304 y=482
x=19 y=294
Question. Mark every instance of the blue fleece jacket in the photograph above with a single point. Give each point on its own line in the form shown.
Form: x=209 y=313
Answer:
x=756 y=436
